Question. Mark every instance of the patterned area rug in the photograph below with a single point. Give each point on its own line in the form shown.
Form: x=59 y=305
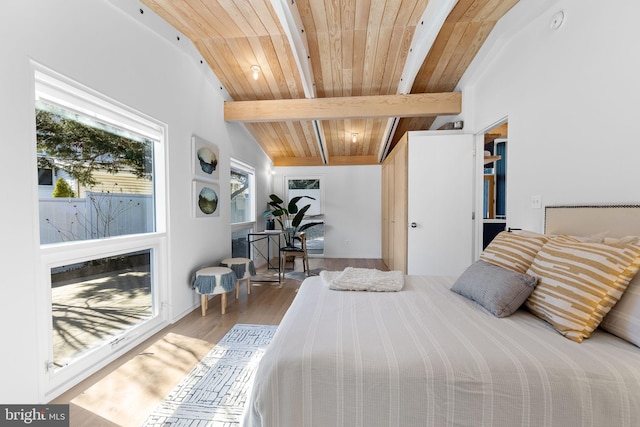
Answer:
x=215 y=391
x=301 y=275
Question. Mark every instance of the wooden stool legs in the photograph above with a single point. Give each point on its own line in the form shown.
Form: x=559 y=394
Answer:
x=204 y=299
x=204 y=302
x=238 y=287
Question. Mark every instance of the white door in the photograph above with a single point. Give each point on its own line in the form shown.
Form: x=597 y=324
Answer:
x=440 y=203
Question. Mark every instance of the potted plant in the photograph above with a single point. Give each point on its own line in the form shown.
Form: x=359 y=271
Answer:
x=289 y=217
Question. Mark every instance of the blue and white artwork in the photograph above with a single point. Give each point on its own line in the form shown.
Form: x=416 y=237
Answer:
x=206 y=199
x=205 y=159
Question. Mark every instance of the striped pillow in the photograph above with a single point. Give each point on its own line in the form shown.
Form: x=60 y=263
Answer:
x=579 y=282
x=513 y=251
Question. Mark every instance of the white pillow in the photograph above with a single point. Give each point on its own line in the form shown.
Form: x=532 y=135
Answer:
x=626 y=240
x=591 y=238
x=624 y=318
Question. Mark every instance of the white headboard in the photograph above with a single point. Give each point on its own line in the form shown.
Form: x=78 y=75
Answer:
x=580 y=220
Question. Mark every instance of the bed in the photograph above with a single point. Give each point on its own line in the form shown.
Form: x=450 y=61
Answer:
x=427 y=356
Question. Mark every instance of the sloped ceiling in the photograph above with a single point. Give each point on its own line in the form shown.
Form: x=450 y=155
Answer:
x=330 y=69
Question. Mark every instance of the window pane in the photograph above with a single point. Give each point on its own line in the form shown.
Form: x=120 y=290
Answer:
x=239 y=245
x=315 y=236
x=95 y=301
x=108 y=170
x=310 y=187
x=304 y=184
x=45 y=176
x=241 y=202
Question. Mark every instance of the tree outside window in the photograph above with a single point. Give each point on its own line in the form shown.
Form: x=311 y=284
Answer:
x=110 y=168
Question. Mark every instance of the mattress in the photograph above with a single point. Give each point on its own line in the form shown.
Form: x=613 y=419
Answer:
x=426 y=356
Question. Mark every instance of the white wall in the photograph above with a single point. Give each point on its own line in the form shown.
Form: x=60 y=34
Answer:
x=99 y=45
x=352 y=207
x=571 y=97
x=245 y=149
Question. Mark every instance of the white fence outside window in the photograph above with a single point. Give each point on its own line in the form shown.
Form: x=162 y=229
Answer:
x=96 y=216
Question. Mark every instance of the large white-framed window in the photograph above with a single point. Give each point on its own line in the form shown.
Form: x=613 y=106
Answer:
x=102 y=228
x=243 y=206
x=310 y=186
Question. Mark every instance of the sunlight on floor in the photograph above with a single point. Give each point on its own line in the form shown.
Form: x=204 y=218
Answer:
x=146 y=379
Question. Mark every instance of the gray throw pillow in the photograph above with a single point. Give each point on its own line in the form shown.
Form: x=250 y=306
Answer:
x=497 y=289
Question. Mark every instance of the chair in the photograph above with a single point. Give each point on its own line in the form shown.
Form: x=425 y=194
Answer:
x=293 y=253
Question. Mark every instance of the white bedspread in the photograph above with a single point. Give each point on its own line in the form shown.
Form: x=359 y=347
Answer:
x=428 y=357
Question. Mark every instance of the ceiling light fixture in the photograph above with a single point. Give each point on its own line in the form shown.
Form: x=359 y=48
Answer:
x=354 y=137
x=256 y=71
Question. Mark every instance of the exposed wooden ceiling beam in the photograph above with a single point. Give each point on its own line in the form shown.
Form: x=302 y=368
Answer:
x=350 y=107
x=291 y=22
x=424 y=36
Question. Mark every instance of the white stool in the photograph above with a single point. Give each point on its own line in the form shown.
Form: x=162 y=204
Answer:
x=214 y=281
x=243 y=268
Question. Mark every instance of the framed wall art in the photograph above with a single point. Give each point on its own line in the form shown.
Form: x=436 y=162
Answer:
x=206 y=199
x=205 y=159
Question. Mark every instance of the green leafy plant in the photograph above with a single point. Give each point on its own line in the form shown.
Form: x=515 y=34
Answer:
x=289 y=217
x=63 y=189
x=80 y=150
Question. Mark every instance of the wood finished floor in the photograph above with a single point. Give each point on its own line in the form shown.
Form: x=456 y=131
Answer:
x=127 y=390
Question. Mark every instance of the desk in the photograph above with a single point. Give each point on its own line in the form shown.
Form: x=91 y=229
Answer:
x=271 y=237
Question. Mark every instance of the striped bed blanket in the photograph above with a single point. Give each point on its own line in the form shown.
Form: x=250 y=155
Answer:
x=427 y=356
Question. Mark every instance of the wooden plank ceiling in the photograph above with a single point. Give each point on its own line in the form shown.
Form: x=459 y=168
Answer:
x=327 y=50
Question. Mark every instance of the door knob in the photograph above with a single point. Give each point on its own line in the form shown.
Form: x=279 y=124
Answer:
x=414 y=225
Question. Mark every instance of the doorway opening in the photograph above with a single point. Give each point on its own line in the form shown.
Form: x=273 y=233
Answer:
x=494 y=209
